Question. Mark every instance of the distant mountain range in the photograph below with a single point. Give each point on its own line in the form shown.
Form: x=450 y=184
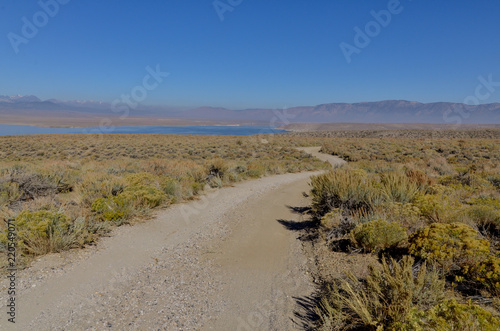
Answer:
x=20 y=109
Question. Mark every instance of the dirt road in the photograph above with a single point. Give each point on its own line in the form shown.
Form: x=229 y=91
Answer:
x=221 y=263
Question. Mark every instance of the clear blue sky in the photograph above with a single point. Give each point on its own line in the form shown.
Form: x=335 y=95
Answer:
x=263 y=54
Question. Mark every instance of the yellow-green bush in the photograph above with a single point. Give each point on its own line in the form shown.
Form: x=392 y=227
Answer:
x=143 y=196
x=42 y=232
x=452 y=245
x=438 y=207
x=486 y=272
x=143 y=191
x=113 y=209
x=378 y=234
x=451 y=315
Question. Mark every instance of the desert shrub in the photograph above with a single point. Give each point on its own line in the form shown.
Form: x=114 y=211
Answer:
x=42 y=232
x=469 y=177
x=197 y=187
x=406 y=214
x=453 y=246
x=190 y=187
x=63 y=177
x=143 y=196
x=331 y=219
x=343 y=188
x=9 y=192
x=397 y=187
x=143 y=191
x=95 y=186
x=217 y=167
x=494 y=179
x=114 y=209
x=486 y=273
x=384 y=300
x=487 y=218
x=378 y=234
x=172 y=188
x=33 y=185
x=440 y=165
x=215 y=181
x=335 y=225
x=143 y=178
x=451 y=315
x=256 y=170
x=420 y=178
x=438 y=207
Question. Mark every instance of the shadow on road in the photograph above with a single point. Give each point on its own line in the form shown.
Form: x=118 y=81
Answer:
x=305 y=315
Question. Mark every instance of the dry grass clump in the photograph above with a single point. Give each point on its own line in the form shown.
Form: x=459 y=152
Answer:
x=385 y=300
x=437 y=201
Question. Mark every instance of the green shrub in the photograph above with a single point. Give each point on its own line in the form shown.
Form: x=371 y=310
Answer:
x=378 y=234
x=43 y=232
x=452 y=245
x=384 y=300
x=112 y=209
x=451 y=315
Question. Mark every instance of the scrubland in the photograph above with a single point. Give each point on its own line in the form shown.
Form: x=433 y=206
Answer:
x=64 y=191
x=423 y=208
x=428 y=210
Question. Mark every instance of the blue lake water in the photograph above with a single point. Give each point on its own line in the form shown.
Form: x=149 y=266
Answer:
x=6 y=130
